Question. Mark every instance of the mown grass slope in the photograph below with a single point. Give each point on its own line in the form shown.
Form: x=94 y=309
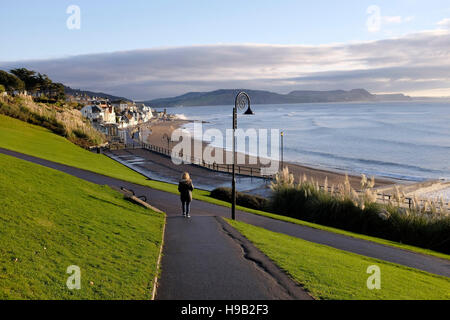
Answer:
x=50 y=220
x=22 y=137
x=329 y=273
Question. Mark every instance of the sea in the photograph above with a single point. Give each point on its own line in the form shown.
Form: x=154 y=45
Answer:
x=401 y=140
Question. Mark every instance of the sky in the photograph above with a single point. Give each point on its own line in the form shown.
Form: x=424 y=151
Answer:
x=151 y=49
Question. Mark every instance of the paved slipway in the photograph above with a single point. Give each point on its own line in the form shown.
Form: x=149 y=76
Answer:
x=204 y=258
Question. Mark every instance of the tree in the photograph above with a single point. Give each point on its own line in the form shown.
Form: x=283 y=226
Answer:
x=57 y=91
x=29 y=77
x=44 y=83
x=11 y=82
x=2 y=88
x=39 y=82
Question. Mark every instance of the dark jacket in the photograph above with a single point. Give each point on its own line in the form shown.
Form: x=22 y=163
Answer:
x=185 y=187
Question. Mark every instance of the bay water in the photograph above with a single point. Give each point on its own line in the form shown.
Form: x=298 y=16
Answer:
x=403 y=140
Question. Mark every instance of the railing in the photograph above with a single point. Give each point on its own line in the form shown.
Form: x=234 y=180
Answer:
x=228 y=168
x=240 y=170
x=122 y=146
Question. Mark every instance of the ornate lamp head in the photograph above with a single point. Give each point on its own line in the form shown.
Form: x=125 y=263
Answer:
x=243 y=101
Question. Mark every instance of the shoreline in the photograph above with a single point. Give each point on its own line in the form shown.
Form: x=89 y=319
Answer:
x=156 y=133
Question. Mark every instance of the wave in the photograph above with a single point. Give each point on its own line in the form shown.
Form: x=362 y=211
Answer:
x=409 y=144
x=181 y=116
x=409 y=141
x=366 y=161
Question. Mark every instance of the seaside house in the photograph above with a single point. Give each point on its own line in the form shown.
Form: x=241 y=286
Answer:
x=145 y=112
x=101 y=103
x=146 y=116
x=127 y=120
x=93 y=113
x=134 y=118
x=123 y=122
x=120 y=105
x=109 y=115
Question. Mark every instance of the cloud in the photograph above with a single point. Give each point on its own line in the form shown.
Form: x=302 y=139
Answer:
x=444 y=23
x=413 y=63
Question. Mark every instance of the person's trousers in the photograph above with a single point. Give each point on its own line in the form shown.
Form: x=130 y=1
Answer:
x=186 y=206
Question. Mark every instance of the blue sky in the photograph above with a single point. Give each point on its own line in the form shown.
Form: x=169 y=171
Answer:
x=147 y=49
x=108 y=26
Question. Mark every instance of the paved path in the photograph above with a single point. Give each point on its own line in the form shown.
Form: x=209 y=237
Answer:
x=202 y=261
x=203 y=257
x=170 y=204
x=159 y=167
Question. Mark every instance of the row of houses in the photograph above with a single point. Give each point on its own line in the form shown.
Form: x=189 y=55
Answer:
x=122 y=114
x=83 y=98
x=33 y=94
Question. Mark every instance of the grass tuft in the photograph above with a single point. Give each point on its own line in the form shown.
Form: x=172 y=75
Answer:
x=344 y=208
x=62 y=119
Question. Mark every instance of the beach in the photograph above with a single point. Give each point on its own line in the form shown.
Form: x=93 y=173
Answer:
x=156 y=133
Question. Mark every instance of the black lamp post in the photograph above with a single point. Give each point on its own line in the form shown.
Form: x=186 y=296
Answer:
x=242 y=101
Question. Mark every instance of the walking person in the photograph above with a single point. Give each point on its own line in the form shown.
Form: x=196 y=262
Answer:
x=185 y=187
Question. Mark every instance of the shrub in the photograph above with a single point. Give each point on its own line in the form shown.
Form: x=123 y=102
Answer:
x=59 y=119
x=80 y=134
x=344 y=208
x=242 y=199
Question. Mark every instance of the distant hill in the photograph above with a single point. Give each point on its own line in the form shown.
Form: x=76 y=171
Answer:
x=69 y=90
x=226 y=97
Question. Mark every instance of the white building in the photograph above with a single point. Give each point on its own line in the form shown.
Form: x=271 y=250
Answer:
x=123 y=105
x=99 y=113
x=146 y=116
x=128 y=120
x=93 y=113
x=109 y=115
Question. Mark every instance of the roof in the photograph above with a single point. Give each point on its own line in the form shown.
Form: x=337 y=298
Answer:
x=95 y=109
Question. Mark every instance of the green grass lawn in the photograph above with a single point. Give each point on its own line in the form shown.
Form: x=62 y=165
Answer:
x=329 y=273
x=50 y=220
x=22 y=137
x=39 y=142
